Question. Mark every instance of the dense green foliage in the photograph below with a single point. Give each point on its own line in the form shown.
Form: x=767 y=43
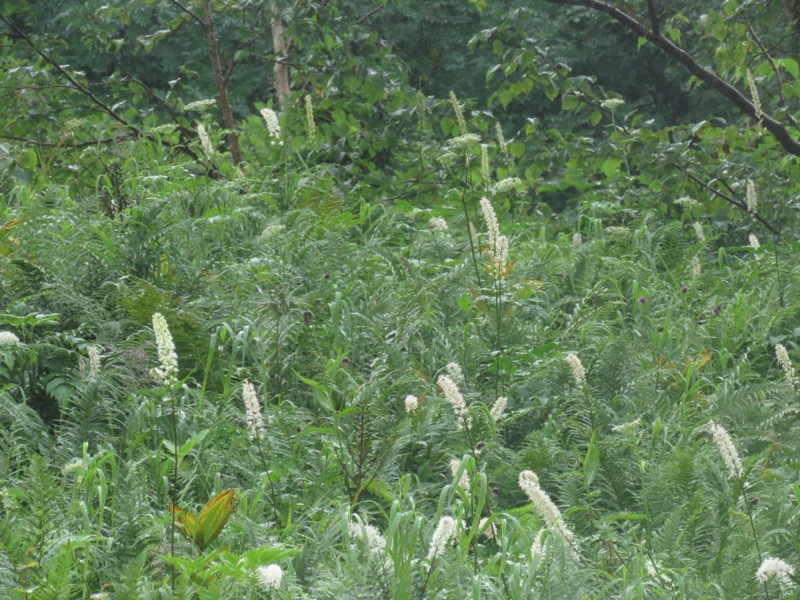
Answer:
x=571 y=239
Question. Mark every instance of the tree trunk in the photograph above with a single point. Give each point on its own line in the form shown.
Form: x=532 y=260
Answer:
x=219 y=80
x=280 y=71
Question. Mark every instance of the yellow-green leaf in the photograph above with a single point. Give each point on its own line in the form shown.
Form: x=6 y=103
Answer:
x=186 y=522
x=213 y=517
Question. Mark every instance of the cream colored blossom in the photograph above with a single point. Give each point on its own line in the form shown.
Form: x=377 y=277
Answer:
x=462 y=124
x=687 y=202
x=498 y=408
x=612 y=103
x=273 y=125
x=312 y=126
x=576 y=366
x=529 y=483
x=437 y=225
x=776 y=568
x=464 y=141
x=412 y=404
x=485 y=162
x=786 y=364
x=201 y=105
x=501 y=140
x=252 y=406
x=617 y=231
x=270 y=576
x=754 y=243
x=497 y=246
x=539 y=546
x=370 y=534
x=750 y=196
x=441 y=536
x=205 y=140
x=698 y=229
x=454 y=397
x=506 y=185
x=490 y=530
x=463 y=483
x=271 y=231
x=751 y=83
x=577 y=239
x=694 y=266
x=167 y=371
x=94 y=361
x=628 y=427
x=8 y=339
x=454 y=371
x=726 y=449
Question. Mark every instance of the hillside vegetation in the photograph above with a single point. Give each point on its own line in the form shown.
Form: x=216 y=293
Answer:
x=534 y=337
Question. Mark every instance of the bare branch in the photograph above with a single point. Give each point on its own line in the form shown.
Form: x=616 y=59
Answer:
x=77 y=86
x=68 y=76
x=775 y=127
x=189 y=12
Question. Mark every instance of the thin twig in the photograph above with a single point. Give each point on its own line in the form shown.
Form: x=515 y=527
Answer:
x=729 y=199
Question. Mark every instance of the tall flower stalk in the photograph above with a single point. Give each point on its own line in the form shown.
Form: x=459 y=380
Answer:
x=167 y=374
x=497 y=251
x=255 y=427
x=730 y=457
x=465 y=140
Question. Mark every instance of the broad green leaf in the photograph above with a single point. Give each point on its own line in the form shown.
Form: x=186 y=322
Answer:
x=611 y=166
